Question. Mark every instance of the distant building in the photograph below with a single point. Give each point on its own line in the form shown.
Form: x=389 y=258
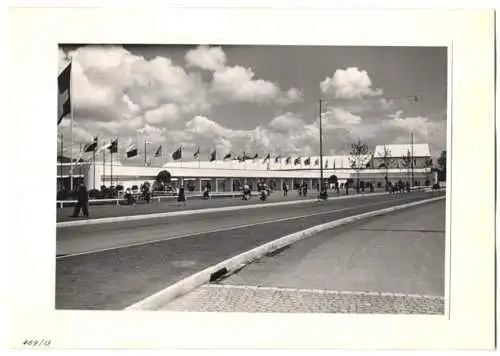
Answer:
x=228 y=175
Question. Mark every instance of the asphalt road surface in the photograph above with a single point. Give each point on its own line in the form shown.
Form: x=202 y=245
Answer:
x=400 y=255
x=111 y=266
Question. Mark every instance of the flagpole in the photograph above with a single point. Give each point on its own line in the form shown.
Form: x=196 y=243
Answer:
x=412 y=166
x=60 y=161
x=321 y=144
x=111 y=181
x=103 y=167
x=145 y=153
x=71 y=125
x=81 y=152
x=93 y=163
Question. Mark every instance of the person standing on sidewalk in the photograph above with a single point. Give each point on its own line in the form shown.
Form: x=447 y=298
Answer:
x=285 y=189
x=82 y=202
x=181 y=197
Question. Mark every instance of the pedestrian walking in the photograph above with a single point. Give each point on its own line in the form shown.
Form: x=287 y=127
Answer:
x=181 y=198
x=285 y=190
x=82 y=202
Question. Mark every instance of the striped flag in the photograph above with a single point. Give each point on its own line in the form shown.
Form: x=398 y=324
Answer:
x=196 y=155
x=307 y=162
x=177 y=154
x=64 y=91
x=91 y=147
x=227 y=156
x=158 y=152
x=267 y=158
x=297 y=161
x=288 y=160
x=213 y=156
x=131 y=151
x=113 y=147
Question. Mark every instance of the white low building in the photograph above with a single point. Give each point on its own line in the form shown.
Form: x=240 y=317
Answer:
x=226 y=175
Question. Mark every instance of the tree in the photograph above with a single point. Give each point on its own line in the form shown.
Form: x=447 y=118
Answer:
x=441 y=161
x=407 y=163
x=163 y=177
x=359 y=154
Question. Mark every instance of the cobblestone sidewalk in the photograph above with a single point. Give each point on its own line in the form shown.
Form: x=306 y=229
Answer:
x=230 y=298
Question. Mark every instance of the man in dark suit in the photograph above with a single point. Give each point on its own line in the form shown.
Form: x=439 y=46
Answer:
x=82 y=203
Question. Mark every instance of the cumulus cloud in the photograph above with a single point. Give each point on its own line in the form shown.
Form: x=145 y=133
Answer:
x=293 y=95
x=238 y=84
x=117 y=93
x=287 y=122
x=210 y=58
x=350 y=83
x=164 y=114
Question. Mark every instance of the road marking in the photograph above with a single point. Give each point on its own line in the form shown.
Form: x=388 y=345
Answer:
x=325 y=291
x=226 y=228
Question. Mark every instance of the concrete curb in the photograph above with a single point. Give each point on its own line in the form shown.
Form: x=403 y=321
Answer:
x=198 y=211
x=186 y=285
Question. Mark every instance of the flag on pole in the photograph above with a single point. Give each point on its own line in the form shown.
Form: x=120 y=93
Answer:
x=307 y=161
x=316 y=163
x=158 y=152
x=288 y=160
x=213 y=156
x=131 y=151
x=268 y=157
x=177 y=154
x=227 y=156
x=297 y=161
x=196 y=155
x=333 y=164
x=256 y=156
x=245 y=156
x=91 y=147
x=113 y=147
x=326 y=164
x=64 y=97
x=277 y=159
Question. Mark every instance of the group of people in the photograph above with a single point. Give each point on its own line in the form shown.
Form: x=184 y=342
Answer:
x=398 y=187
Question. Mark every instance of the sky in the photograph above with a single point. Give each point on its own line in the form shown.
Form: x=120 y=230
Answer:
x=255 y=99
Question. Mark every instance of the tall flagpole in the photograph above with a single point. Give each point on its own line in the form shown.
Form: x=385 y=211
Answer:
x=93 y=164
x=321 y=145
x=71 y=126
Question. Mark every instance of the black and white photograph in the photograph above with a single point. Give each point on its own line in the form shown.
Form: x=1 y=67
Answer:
x=236 y=178
x=254 y=177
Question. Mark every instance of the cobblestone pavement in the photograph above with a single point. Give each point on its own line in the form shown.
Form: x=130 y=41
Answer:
x=230 y=298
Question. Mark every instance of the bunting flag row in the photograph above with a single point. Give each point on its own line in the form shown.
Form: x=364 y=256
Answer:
x=132 y=151
x=178 y=154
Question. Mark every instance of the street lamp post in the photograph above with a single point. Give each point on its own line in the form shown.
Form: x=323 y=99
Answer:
x=320 y=145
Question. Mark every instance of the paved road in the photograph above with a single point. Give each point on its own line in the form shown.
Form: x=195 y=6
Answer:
x=401 y=255
x=105 y=211
x=120 y=276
